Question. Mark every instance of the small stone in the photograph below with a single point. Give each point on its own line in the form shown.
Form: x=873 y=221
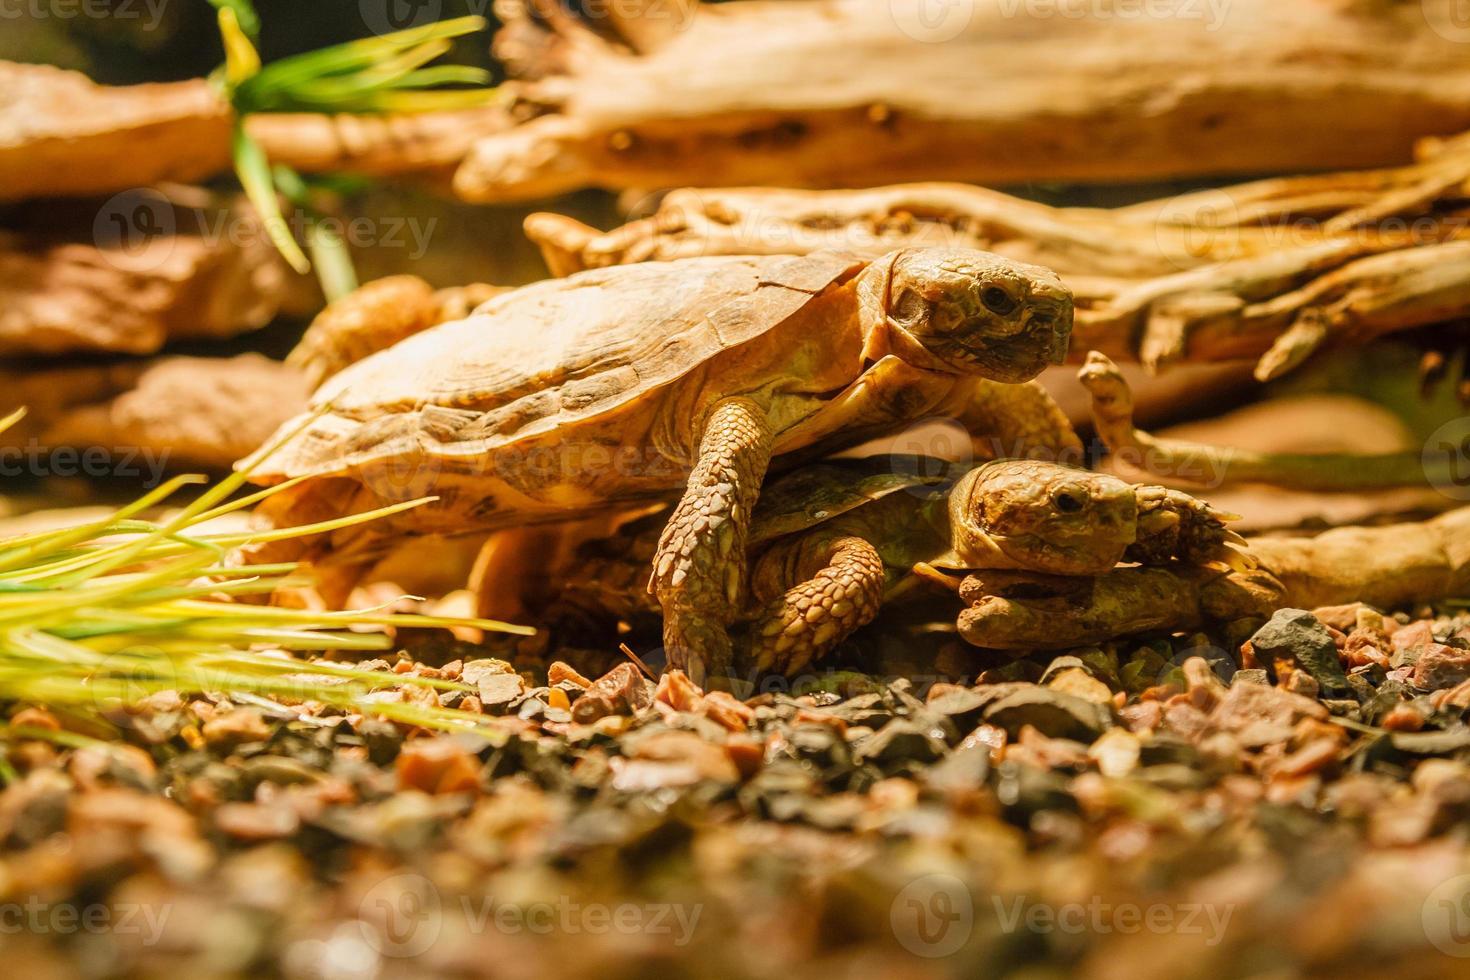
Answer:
x=1440 y=666
x=1413 y=636
x=437 y=765
x=560 y=672
x=1257 y=715
x=1116 y=752
x=901 y=740
x=621 y=690
x=676 y=690
x=497 y=691
x=474 y=671
x=708 y=760
x=1253 y=676
x=1079 y=683
x=1432 y=743
x=236 y=727
x=1050 y=712
x=256 y=821
x=1296 y=637
x=963 y=769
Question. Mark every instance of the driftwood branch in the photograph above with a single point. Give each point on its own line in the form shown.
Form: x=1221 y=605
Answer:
x=1270 y=269
x=63 y=135
x=843 y=93
x=181 y=411
x=143 y=269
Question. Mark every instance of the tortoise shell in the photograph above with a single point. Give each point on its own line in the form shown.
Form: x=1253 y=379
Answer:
x=548 y=356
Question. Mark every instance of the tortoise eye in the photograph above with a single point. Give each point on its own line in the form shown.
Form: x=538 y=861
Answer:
x=1067 y=502
x=998 y=301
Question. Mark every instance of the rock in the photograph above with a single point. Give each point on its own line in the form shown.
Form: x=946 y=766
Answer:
x=236 y=727
x=1251 y=676
x=1050 y=712
x=256 y=821
x=1258 y=715
x=706 y=759
x=621 y=690
x=497 y=691
x=1412 y=636
x=963 y=769
x=1343 y=617
x=560 y=672
x=901 y=740
x=1295 y=635
x=1432 y=743
x=473 y=671
x=437 y=765
x=1440 y=666
x=1077 y=682
x=1116 y=752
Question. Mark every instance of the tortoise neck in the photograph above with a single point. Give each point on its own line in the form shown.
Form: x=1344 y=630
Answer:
x=883 y=337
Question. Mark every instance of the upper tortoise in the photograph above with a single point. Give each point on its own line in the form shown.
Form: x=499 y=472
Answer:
x=622 y=384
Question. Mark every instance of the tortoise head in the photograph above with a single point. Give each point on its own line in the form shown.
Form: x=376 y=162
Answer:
x=1042 y=517
x=968 y=311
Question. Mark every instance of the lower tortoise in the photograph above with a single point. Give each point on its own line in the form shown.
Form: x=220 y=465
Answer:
x=619 y=385
x=831 y=542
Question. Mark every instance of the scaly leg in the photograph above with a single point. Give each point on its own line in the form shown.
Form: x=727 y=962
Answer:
x=699 y=568
x=1020 y=421
x=812 y=618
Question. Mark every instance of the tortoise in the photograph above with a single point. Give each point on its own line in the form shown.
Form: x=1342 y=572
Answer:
x=831 y=542
x=618 y=385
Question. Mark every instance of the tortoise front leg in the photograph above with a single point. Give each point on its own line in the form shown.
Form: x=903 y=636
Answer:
x=1020 y=421
x=699 y=568
x=810 y=619
x=1173 y=525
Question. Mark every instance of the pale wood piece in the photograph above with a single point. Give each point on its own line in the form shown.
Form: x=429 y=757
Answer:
x=184 y=412
x=844 y=93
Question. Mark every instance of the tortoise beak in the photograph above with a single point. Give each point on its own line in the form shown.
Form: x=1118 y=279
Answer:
x=1051 y=310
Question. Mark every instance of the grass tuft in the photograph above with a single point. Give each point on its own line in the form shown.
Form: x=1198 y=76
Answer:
x=96 y=617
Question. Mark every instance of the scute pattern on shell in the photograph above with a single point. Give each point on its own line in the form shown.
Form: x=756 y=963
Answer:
x=818 y=492
x=549 y=355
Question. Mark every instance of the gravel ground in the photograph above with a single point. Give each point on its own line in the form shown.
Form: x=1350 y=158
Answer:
x=1292 y=803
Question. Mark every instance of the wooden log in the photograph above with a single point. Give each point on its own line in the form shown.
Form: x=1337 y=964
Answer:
x=1271 y=269
x=173 y=412
x=63 y=135
x=140 y=270
x=844 y=93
